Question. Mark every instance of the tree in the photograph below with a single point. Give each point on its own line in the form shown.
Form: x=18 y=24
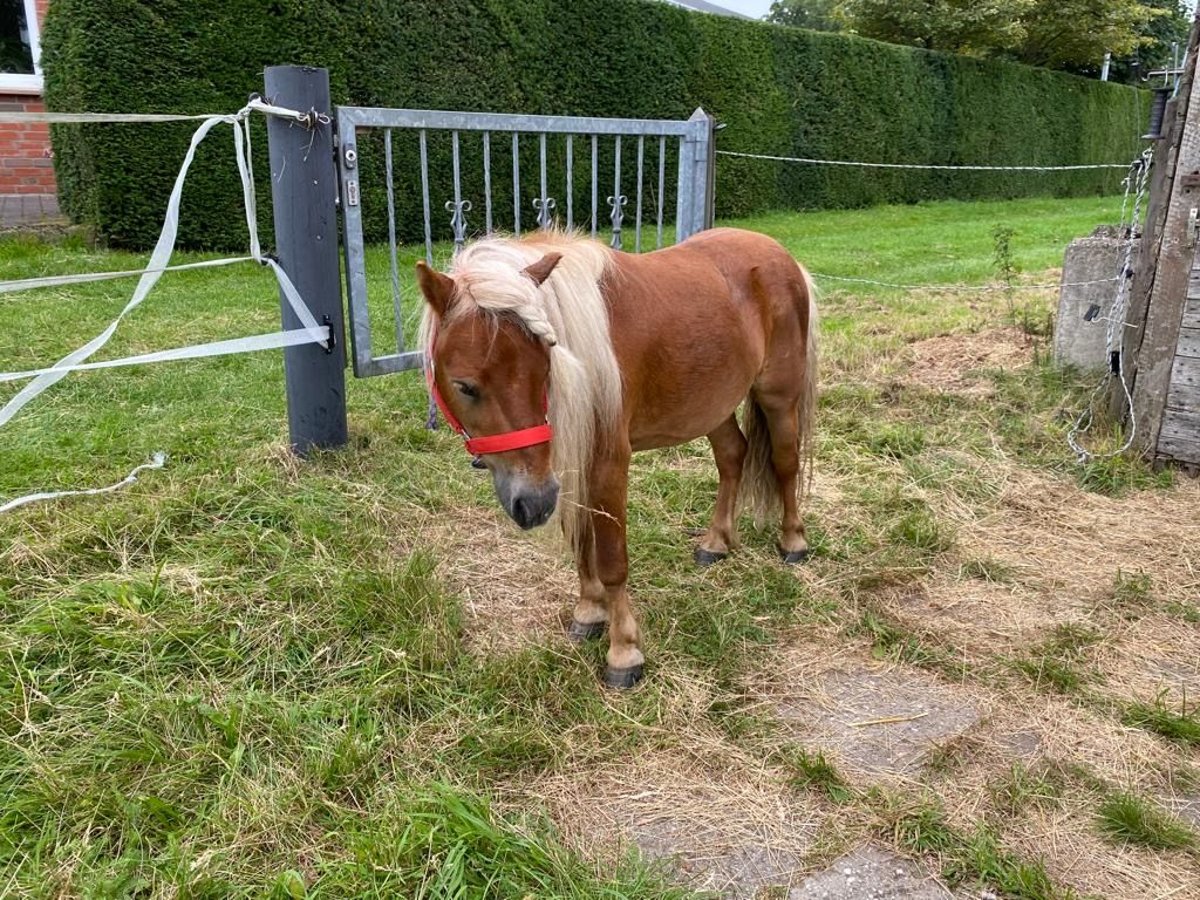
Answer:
x=1161 y=32
x=972 y=27
x=1075 y=34
x=815 y=14
x=1058 y=34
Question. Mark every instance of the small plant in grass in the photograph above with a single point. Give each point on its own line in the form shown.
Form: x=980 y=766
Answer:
x=1115 y=475
x=1057 y=664
x=974 y=857
x=987 y=569
x=1189 y=612
x=1002 y=256
x=1031 y=320
x=1132 y=819
x=813 y=770
x=1131 y=589
x=1023 y=787
x=1181 y=727
x=897 y=441
x=891 y=641
x=920 y=529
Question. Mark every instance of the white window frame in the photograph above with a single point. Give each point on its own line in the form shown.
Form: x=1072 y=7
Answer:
x=27 y=84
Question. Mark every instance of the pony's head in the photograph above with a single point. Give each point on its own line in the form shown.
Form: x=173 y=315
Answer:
x=489 y=362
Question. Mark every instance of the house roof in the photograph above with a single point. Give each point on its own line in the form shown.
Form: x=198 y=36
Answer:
x=706 y=7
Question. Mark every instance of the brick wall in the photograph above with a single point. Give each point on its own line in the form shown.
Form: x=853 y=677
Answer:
x=25 y=163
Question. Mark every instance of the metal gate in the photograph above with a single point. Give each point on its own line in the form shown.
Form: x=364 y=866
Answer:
x=565 y=141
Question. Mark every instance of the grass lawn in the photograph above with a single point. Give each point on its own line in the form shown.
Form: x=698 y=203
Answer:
x=250 y=675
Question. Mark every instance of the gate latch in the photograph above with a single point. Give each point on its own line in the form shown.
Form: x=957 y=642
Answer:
x=1193 y=226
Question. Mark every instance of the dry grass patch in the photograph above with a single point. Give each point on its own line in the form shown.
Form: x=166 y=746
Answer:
x=956 y=363
x=1067 y=542
x=1155 y=658
x=1068 y=841
x=515 y=588
x=724 y=820
x=976 y=618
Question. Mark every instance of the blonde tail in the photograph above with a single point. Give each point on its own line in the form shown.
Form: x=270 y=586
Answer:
x=759 y=493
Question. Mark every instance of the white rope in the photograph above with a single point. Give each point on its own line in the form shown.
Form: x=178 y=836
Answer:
x=157 y=462
x=1136 y=181
x=881 y=165
x=29 y=284
x=959 y=288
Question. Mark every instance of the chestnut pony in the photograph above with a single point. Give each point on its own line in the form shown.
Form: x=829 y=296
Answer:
x=558 y=357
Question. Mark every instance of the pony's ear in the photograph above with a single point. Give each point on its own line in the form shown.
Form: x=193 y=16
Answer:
x=437 y=288
x=541 y=269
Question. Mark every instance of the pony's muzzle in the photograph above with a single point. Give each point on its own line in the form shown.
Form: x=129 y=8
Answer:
x=528 y=505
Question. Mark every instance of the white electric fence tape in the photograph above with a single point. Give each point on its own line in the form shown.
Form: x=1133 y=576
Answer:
x=310 y=332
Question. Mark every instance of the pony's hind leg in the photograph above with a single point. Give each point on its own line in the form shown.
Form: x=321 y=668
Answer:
x=729 y=451
x=783 y=423
x=590 y=617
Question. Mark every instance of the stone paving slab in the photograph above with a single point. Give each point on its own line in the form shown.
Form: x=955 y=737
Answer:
x=852 y=719
x=741 y=871
x=870 y=873
x=20 y=210
x=715 y=820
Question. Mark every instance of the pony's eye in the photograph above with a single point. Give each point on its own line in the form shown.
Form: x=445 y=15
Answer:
x=467 y=389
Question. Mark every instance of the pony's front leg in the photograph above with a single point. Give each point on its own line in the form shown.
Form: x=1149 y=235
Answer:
x=591 y=612
x=608 y=486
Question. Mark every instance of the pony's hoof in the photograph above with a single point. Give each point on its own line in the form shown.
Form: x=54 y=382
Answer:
x=578 y=632
x=707 y=557
x=622 y=679
x=478 y=463
x=791 y=557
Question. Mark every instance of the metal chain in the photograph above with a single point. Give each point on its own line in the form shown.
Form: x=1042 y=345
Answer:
x=1136 y=183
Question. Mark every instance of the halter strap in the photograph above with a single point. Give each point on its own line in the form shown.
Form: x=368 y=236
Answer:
x=494 y=443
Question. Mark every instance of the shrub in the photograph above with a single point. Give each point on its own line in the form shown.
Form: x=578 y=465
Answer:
x=781 y=91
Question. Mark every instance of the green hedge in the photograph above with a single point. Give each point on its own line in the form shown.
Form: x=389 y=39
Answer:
x=779 y=91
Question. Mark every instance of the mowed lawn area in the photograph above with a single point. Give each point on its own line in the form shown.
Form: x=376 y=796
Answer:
x=249 y=675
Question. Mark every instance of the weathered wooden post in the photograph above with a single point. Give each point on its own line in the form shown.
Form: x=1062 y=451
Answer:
x=1164 y=314
x=304 y=199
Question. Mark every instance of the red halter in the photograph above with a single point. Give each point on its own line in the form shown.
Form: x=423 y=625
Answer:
x=494 y=443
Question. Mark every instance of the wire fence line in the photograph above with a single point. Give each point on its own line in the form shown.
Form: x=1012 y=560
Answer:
x=813 y=161
x=963 y=288
x=1137 y=184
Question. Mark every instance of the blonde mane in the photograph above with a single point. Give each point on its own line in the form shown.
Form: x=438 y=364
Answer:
x=569 y=313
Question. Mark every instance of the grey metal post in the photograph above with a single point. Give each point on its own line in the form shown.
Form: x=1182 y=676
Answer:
x=710 y=168
x=304 y=198
x=696 y=169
